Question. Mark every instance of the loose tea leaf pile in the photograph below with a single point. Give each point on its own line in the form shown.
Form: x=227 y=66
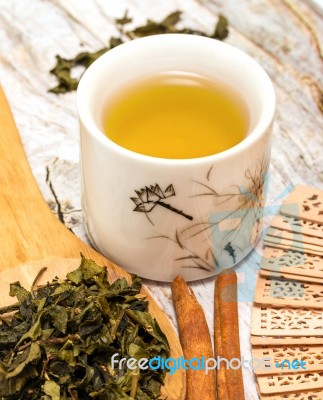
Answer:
x=60 y=339
x=64 y=67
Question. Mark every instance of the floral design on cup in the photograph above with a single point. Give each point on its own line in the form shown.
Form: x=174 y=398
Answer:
x=232 y=230
x=149 y=197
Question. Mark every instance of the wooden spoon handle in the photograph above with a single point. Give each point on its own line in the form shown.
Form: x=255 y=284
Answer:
x=28 y=229
x=17 y=182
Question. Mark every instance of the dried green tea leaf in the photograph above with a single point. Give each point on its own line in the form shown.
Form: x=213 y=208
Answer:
x=141 y=395
x=62 y=71
x=33 y=333
x=114 y=42
x=62 y=347
x=10 y=387
x=9 y=337
x=124 y=20
x=90 y=269
x=87 y=270
x=75 y=276
x=90 y=325
x=151 y=28
x=137 y=352
x=64 y=67
x=9 y=308
x=52 y=389
x=172 y=19
x=16 y=290
x=58 y=317
x=149 y=324
x=167 y=25
x=221 y=29
x=66 y=354
x=32 y=356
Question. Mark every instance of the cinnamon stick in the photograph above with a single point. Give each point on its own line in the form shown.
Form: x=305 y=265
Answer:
x=222 y=390
x=226 y=336
x=195 y=340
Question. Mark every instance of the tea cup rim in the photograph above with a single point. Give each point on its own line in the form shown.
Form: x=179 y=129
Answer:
x=263 y=124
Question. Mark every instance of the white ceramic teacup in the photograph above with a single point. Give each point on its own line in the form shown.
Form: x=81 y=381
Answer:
x=212 y=206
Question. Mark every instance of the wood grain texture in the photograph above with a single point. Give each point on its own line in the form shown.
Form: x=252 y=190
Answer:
x=31 y=35
x=34 y=238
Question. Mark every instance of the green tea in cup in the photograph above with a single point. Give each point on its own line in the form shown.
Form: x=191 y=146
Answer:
x=176 y=115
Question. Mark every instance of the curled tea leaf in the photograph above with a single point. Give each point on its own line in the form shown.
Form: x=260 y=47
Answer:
x=124 y=20
x=221 y=29
x=52 y=389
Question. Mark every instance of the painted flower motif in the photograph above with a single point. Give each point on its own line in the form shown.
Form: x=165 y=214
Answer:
x=151 y=196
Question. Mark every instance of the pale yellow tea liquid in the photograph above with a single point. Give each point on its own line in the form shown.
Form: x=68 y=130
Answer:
x=176 y=115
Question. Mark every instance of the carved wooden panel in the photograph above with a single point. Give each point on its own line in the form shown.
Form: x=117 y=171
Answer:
x=281 y=358
x=292 y=224
x=285 y=275
x=295 y=237
x=290 y=383
x=281 y=321
x=285 y=340
x=292 y=262
x=277 y=291
x=307 y=395
x=304 y=202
